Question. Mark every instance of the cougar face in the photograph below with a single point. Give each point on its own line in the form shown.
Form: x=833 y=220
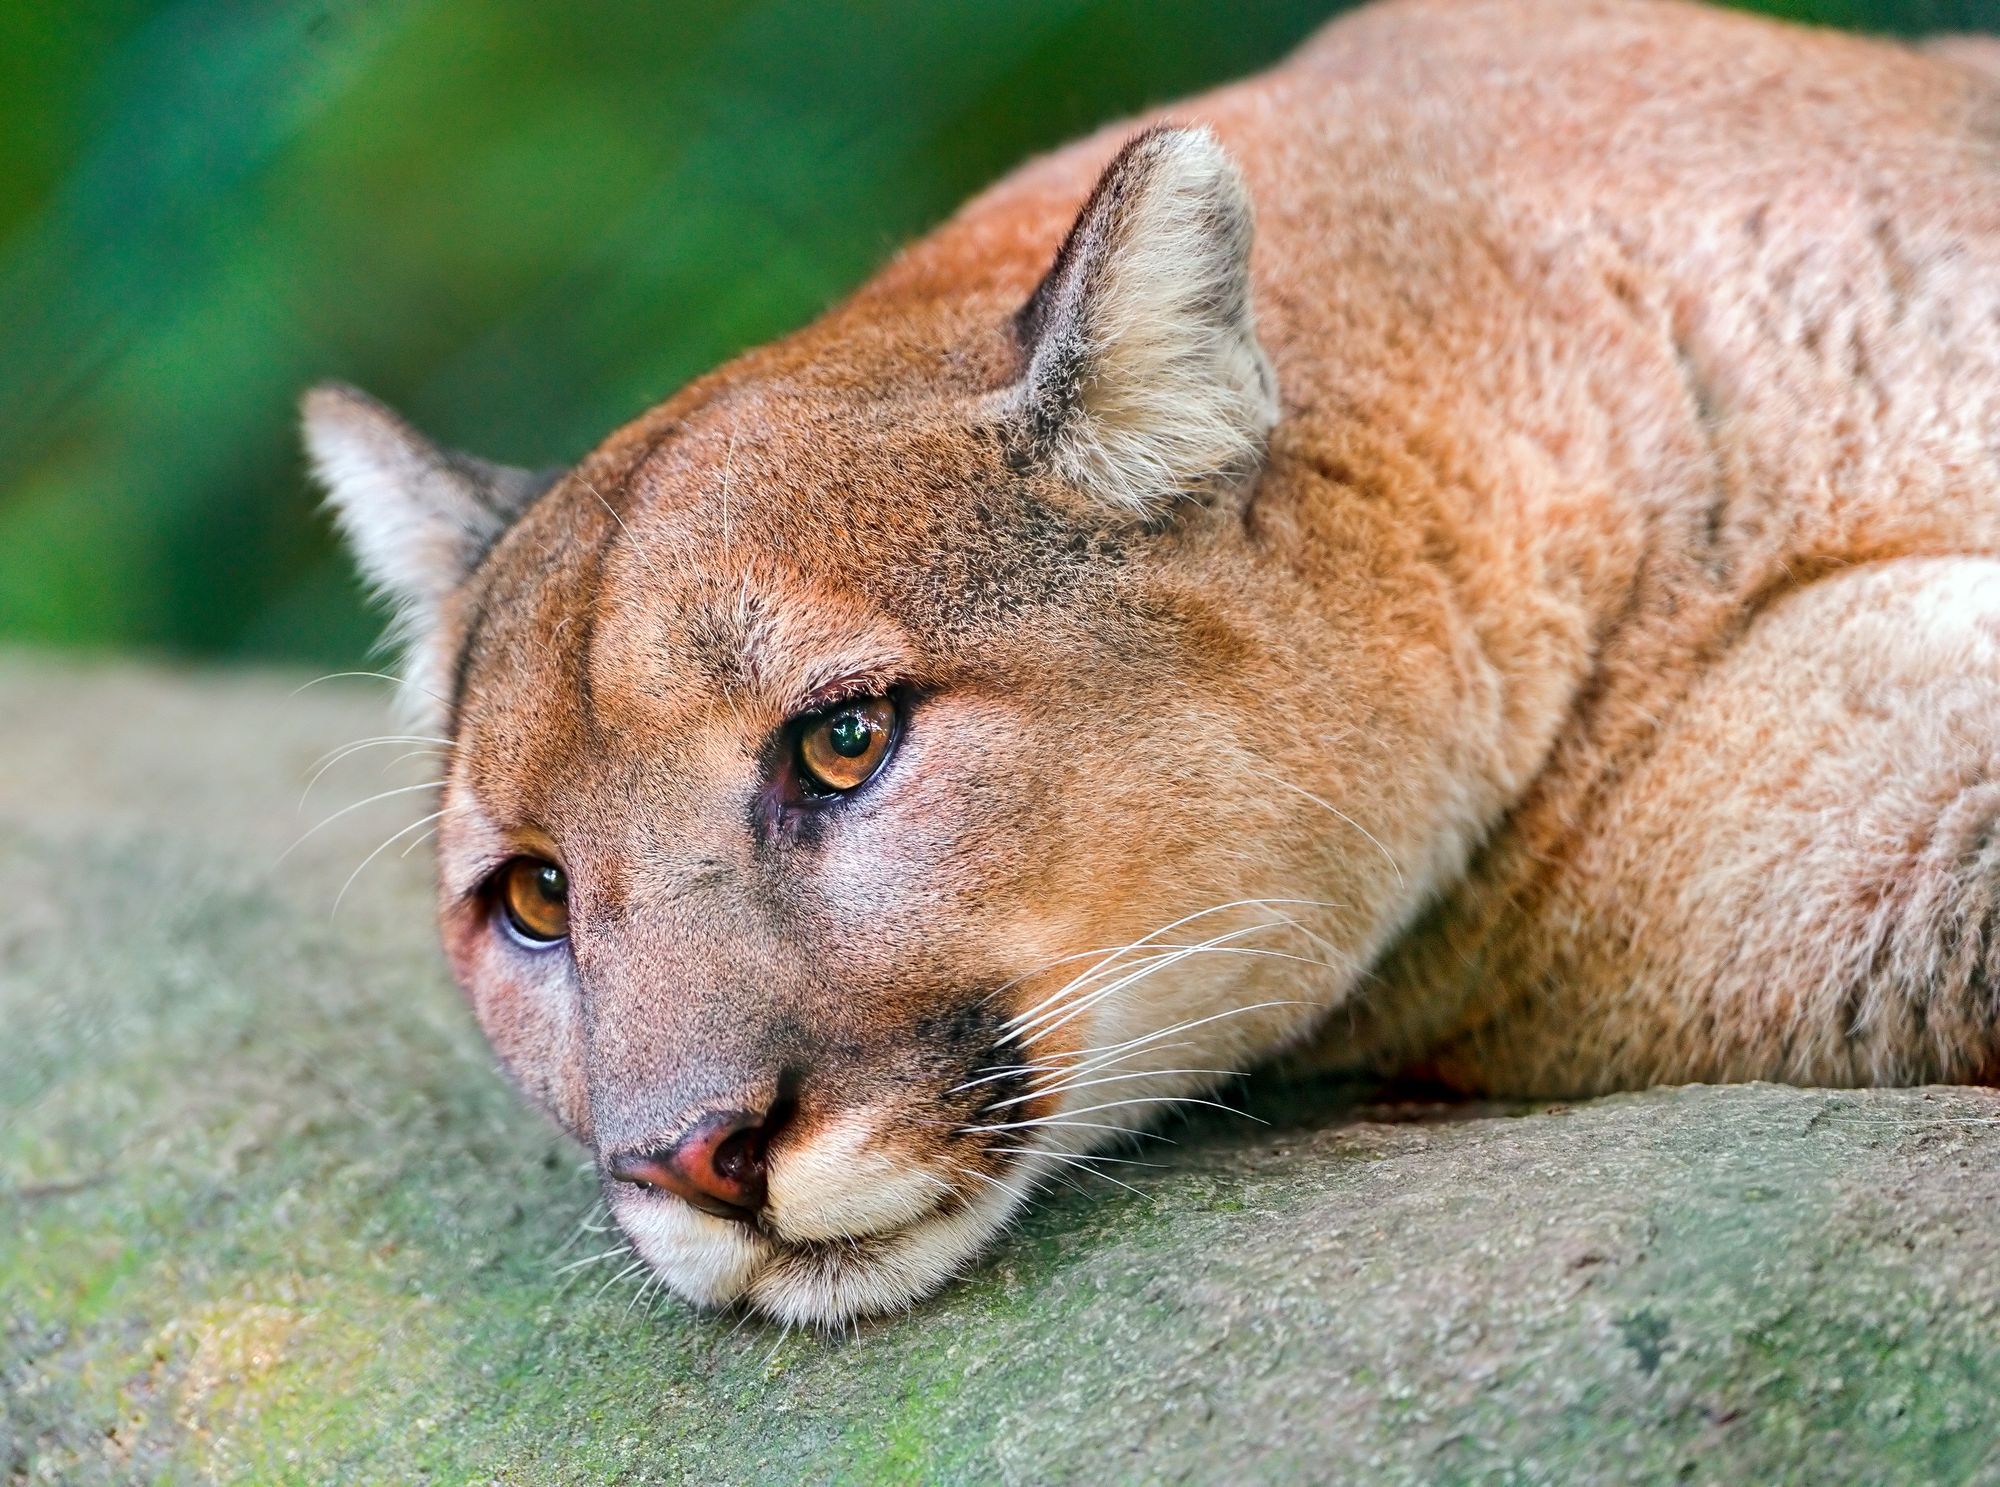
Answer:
x=855 y=797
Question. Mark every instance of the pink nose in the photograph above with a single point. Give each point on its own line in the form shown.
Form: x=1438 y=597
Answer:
x=717 y=1164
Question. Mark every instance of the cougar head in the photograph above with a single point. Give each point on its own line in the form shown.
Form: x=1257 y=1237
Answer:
x=862 y=798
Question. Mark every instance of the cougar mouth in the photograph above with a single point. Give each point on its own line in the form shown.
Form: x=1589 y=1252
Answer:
x=826 y=1280
x=871 y=1212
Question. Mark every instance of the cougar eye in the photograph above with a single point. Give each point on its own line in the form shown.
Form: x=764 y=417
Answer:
x=534 y=898
x=842 y=748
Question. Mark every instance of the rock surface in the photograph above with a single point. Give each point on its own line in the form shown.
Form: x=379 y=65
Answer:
x=267 y=1214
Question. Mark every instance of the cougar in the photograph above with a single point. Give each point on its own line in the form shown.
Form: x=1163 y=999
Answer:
x=1527 y=618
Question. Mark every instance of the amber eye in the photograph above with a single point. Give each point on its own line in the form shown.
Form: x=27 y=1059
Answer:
x=840 y=749
x=534 y=895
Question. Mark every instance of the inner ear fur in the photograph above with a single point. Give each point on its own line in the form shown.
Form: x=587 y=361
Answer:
x=1144 y=382
x=418 y=518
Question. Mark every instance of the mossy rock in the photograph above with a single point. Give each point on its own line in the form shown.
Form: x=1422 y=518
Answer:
x=267 y=1214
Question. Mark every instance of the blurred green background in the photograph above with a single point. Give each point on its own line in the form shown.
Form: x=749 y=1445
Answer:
x=520 y=221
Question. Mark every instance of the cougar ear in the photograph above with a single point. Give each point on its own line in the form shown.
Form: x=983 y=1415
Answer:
x=1144 y=378
x=417 y=517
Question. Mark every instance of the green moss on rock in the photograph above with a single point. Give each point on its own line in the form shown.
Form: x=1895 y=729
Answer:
x=267 y=1215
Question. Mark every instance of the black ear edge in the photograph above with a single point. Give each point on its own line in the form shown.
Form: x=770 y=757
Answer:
x=1031 y=320
x=1141 y=377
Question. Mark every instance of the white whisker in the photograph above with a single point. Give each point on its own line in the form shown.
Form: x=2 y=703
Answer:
x=1043 y=1151
x=1069 y=1125
x=584 y=1226
x=378 y=739
x=631 y=542
x=422 y=821
x=1063 y=1119
x=1090 y=1063
x=1151 y=935
x=1192 y=1023
x=1085 y=1163
x=380 y=676
x=1342 y=815
x=625 y=1274
x=986 y=1177
x=728 y=471
x=332 y=757
x=1010 y=1072
x=1076 y=1084
x=416 y=754
x=310 y=832
x=1189 y=952
x=1085 y=1003
x=588 y=1260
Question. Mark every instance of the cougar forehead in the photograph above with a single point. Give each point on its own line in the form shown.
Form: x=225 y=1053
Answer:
x=734 y=571
x=765 y=527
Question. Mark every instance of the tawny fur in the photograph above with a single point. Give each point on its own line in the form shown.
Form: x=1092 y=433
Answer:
x=1585 y=672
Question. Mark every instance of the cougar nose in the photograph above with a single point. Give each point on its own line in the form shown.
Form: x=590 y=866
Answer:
x=717 y=1164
